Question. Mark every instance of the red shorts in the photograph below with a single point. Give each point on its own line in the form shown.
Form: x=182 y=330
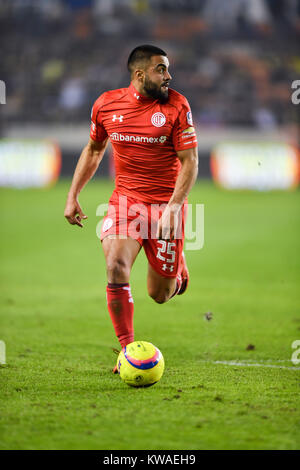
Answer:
x=129 y=217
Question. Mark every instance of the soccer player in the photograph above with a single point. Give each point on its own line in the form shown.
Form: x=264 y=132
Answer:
x=156 y=161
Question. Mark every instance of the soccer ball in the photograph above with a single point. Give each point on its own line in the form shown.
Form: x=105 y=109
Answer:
x=140 y=364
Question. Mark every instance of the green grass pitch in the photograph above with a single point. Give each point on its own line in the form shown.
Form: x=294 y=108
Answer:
x=57 y=389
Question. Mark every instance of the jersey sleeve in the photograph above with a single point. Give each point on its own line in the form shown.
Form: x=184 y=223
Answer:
x=97 y=131
x=184 y=134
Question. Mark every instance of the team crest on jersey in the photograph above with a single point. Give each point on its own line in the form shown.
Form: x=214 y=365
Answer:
x=158 y=119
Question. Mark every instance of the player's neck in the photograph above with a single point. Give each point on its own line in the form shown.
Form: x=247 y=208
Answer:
x=140 y=89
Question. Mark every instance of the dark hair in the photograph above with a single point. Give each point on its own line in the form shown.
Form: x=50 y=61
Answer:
x=142 y=53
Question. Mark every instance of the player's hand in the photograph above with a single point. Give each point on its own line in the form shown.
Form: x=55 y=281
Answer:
x=168 y=223
x=73 y=213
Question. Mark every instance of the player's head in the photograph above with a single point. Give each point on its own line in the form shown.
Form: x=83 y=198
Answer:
x=148 y=67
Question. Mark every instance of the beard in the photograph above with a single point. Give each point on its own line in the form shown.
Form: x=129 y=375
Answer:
x=155 y=91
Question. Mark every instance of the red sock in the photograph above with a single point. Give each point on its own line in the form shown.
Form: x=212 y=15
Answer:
x=120 y=307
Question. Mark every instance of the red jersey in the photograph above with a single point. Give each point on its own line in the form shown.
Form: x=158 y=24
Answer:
x=145 y=136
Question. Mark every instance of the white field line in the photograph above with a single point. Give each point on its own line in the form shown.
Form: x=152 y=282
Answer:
x=263 y=361
x=251 y=364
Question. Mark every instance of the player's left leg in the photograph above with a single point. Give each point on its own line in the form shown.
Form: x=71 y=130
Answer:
x=160 y=288
x=185 y=276
x=167 y=270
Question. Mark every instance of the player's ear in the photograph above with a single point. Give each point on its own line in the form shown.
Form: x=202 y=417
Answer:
x=139 y=74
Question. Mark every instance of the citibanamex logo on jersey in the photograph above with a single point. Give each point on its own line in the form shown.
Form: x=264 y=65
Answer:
x=116 y=137
x=158 y=119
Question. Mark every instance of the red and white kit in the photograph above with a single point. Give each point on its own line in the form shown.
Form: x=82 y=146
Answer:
x=145 y=136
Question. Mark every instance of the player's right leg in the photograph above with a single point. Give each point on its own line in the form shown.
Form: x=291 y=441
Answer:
x=120 y=254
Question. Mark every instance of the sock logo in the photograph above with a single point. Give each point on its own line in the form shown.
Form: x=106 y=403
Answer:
x=130 y=299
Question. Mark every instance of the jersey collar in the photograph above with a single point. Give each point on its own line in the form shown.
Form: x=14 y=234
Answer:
x=138 y=97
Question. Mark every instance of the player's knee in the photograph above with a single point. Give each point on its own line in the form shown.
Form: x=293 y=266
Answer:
x=159 y=296
x=159 y=299
x=118 y=270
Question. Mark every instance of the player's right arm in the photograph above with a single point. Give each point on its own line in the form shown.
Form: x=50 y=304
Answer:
x=87 y=165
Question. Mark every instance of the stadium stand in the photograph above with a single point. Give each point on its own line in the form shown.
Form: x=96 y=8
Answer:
x=235 y=68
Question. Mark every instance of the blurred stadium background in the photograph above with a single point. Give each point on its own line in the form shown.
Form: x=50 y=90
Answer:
x=235 y=61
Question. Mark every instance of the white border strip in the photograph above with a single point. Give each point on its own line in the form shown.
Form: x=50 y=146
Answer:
x=253 y=364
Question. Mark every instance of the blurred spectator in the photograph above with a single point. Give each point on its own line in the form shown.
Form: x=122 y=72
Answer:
x=232 y=14
x=264 y=119
x=72 y=95
x=285 y=13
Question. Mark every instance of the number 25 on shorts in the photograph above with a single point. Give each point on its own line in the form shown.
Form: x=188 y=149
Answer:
x=166 y=248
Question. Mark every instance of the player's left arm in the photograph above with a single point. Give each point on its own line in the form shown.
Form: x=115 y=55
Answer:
x=184 y=183
x=187 y=176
